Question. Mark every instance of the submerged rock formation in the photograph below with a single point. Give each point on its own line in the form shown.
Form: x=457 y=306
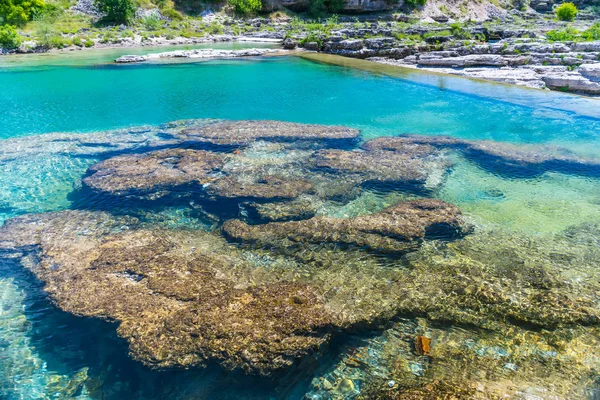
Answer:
x=155 y=171
x=500 y=156
x=169 y=292
x=243 y=133
x=393 y=229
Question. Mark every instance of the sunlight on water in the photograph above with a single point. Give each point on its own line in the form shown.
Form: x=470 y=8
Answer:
x=502 y=302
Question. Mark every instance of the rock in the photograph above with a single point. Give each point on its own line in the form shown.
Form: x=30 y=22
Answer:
x=154 y=174
x=131 y=59
x=590 y=71
x=289 y=44
x=243 y=133
x=462 y=61
x=312 y=46
x=395 y=229
x=171 y=292
x=412 y=167
x=572 y=82
x=360 y=6
x=501 y=157
x=198 y=53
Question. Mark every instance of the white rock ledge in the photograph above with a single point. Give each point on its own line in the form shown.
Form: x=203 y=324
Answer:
x=197 y=53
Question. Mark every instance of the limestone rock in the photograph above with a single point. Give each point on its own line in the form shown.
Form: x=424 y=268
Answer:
x=502 y=157
x=171 y=292
x=394 y=229
x=243 y=133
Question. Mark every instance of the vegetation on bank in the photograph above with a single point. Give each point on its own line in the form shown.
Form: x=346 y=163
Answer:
x=570 y=34
x=566 y=12
x=52 y=24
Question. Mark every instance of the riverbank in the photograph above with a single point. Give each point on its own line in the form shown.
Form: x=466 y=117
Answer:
x=522 y=48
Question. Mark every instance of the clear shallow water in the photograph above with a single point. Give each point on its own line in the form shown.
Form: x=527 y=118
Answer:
x=49 y=351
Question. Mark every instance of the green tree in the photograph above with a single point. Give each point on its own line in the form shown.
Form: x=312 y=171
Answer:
x=117 y=11
x=18 y=12
x=9 y=38
x=566 y=12
x=246 y=6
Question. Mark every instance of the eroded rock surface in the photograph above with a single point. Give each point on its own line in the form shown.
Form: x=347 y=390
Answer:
x=393 y=229
x=243 y=133
x=169 y=291
x=507 y=157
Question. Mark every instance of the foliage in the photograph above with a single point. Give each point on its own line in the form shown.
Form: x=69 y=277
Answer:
x=18 y=12
x=459 y=32
x=9 y=38
x=245 y=7
x=319 y=7
x=415 y=3
x=172 y=14
x=566 y=12
x=117 y=11
x=44 y=32
x=563 y=35
x=312 y=37
x=570 y=34
x=592 y=33
x=152 y=22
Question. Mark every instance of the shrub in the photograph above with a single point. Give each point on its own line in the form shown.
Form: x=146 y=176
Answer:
x=88 y=43
x=566 y=12
x=320 y=7
x=245 y=6
x=172 y=14
x=565 y=35
x=18 y=12
x=44 y=33
x=415 y=3
x=9 y=38
x=152 y=23
x=117 y=11
x=592 y=33
x=77 y=41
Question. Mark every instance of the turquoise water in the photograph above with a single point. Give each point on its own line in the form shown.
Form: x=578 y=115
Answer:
x=46 y=351
x=292 y=89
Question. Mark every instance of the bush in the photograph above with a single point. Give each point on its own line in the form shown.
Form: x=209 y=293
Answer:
x=18 y=12
x=245 y=6
x=172 y=14
x=9 y=38
x=319 y=7
x=566 y=12
x=415 y=3
x=566 y=35
x=117 y=11
x=152 y=23
x=592 y=33
x=88 y=43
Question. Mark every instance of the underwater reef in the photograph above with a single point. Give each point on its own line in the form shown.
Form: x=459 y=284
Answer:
x=265 y=246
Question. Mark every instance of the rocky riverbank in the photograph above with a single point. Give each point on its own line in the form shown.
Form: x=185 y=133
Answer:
x=197 y=54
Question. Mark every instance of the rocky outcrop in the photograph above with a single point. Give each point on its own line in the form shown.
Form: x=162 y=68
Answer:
x=394 y=229
x=154 y=173
x=503 y=158
x=195 y=54
x=413 y=165
x=169 y=292
x=243 y=133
